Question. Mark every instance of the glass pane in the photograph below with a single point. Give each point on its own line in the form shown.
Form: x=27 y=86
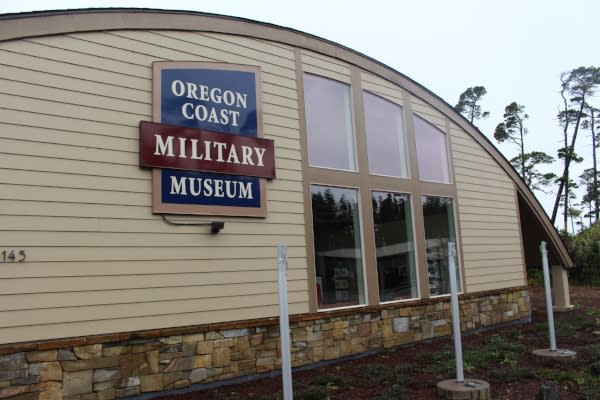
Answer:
x=338 y=253
x=394 y=246
x=432 y=154
x=439 y=230
x=385 y=136
x=329 y=123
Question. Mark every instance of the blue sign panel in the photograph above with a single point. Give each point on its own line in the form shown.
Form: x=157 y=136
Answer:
x=188 y=187
x=219 y=100
x=215 y=100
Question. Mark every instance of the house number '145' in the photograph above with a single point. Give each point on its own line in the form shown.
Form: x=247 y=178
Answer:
x=11 y=255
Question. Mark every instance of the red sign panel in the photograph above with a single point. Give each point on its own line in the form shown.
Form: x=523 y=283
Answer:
x=191 y=149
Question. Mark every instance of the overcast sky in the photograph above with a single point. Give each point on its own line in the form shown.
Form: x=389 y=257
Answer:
x=515 y=48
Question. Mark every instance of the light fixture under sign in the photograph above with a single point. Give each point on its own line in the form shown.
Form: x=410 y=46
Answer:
x=215 y=226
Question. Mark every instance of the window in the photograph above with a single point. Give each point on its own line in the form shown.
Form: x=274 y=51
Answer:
x=438 y=215
x=329 y=123
x=394 y=246
x=337 y=244
x=432 y=154
x=385 y=185
x=385 y=136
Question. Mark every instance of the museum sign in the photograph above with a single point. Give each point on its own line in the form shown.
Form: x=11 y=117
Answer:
x=205 y=143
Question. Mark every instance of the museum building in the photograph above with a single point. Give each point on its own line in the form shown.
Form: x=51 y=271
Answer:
x=152 y=161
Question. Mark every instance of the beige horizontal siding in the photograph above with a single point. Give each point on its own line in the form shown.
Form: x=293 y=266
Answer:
x=381 y=87
x=428 y=113
x=132 y=296
x=73 y=196
x=91 y=326
x=490 y=229
x=317 y=64
x=37 y=269
x=141 y=280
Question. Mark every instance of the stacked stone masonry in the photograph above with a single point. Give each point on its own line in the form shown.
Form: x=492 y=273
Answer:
x=128 y=364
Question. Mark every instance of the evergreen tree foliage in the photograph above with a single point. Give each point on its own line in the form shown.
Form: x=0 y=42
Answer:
x=468 y=104
x=585 y=250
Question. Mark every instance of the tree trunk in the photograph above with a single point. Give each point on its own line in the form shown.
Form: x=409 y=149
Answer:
x=594 y=163
x=522 y=155
x=568 y=156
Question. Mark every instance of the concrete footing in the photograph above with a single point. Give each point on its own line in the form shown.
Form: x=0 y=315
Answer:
x=470 y=389
x=558 y=354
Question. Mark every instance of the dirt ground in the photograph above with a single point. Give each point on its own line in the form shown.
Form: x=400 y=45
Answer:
x=501 y=357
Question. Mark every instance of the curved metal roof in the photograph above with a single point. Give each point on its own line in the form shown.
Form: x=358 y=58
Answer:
x=32 y=24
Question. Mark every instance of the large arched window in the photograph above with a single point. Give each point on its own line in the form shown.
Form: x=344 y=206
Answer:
x=373 y=181
x=386 y=143
x=432 y=151
x=329 y=123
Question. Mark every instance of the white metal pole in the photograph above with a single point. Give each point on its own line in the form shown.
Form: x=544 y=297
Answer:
x=460 y=375
x=284 y=324
x=547 y=289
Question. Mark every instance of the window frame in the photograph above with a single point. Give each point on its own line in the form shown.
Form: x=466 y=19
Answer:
x=351 y=145
x=362 y=249
x=403 y=138
x=460 y=277
x=449 y=171
x=416 y=256
x=366 y=183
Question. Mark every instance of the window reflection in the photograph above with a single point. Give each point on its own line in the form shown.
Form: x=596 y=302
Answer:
x=394 y=246
x=337 y=241
x=439 y=230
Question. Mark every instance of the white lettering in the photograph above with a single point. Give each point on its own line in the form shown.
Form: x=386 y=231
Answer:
x=231 y=192
x=182 y=141
x=178 y=187
x=260 y=152
x=203 y=93
x=245 y=190
x=228 y=97
x=213 y=116
x=208 y=189
x=161 y=147
x=193 y=191
x=233 y=157
x=220 y=147
x=177 y=88
x=215 y=97
x=224 y=116
x=184 y=111
x=201 y=113
x=207 y=144
x=219 y=188
x=191 y=91
x=241 y=100
x=195 y=150
x=247 y=155
x=235 y=115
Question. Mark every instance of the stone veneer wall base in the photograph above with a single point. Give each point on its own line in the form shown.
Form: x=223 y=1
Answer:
x=140 y=364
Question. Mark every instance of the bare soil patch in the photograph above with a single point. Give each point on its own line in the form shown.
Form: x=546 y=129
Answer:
x=501 y=357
